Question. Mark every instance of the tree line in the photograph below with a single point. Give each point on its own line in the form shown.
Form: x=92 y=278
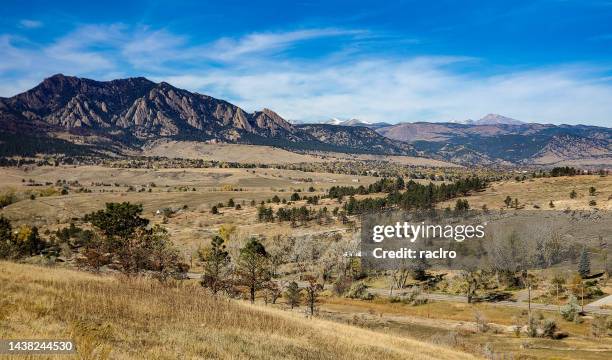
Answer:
x=415 y=196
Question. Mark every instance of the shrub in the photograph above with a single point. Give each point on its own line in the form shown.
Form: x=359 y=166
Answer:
x=532 y=327
x=571 y=310
x=601 y=326
x=359 y=290
x=411 y=297
x=342 y=284
x=549 y=326
x=481 y=322
x=7 y=198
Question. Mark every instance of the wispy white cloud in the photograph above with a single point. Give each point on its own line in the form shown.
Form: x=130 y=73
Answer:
x=30 y=24
x=418 y=89
x=258 y=43
x=256 y=71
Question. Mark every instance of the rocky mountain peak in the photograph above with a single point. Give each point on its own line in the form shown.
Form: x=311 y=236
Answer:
x=139 y=107
x=496 y=119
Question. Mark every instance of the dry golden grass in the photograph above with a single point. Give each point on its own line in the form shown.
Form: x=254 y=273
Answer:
x=119 y=318
x=212 y=186
x=270 y=155
x=543 y=190
x=440 y=317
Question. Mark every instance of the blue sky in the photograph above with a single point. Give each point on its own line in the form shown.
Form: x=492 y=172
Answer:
x=542 y=61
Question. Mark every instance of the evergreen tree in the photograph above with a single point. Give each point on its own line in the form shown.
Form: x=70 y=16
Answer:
x=293 y=294
x=265 y=214
x=118 y=219
x=399 y=183
x=462 y=205
x=216 y=266
x=252 y=267
x=584 y=266
x=7 y=239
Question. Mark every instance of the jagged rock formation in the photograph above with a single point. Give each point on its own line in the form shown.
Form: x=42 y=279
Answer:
x=141 y=108
x=130 y=113
x=136 y=110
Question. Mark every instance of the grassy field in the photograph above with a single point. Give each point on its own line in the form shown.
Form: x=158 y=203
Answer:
x=542 y=191
x=173 y=188
x=140 y=318
x=121 y=318
x=455 y=322
x=271 y=155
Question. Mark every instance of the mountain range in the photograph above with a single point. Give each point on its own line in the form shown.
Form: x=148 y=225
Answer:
x=75 y=115
x=356 y=122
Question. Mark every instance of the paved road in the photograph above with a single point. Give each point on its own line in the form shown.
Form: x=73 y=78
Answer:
x=603 y=301
x=593 y=308
x=589 y=308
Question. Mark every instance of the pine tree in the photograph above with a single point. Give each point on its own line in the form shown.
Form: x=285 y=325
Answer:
x=253 y=267
x=584 y=266
x=216 y=266
x=293 y=294
x=399 y=183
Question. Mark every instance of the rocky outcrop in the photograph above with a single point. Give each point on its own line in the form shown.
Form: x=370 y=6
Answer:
x=142 y=108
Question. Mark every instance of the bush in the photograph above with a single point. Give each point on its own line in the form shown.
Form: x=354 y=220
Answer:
x=342 y=284
x=481 y=322
x=549 y=326
x=7 y=198
x=571 y=310
x=411 y=297
x=532 y=327
x=167 y=212
x=601 y=326
x=359 y=290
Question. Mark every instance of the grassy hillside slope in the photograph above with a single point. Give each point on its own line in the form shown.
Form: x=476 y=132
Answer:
x=119 y=318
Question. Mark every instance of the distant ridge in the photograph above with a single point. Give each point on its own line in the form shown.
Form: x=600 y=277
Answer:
x=355 y=122
x=495 y=119
x=131 y=112
x=77 y=116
